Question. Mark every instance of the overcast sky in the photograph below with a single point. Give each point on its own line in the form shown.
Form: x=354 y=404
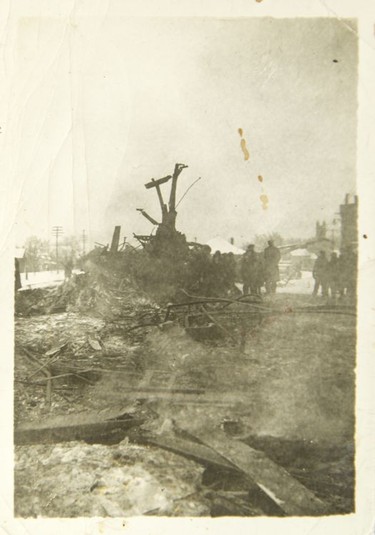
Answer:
x=104 y=106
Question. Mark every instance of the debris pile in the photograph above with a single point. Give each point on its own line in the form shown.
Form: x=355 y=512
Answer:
x=178 y=394
x=101 y=290
x=148 y=384
x=74 y=333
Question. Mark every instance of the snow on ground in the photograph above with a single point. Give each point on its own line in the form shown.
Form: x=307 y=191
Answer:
x=76 y=479
x=304 y=285
x=42 y=279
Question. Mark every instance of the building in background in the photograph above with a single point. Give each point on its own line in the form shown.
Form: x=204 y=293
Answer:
x=222 y=245
x=349 y=222
x=320 y=230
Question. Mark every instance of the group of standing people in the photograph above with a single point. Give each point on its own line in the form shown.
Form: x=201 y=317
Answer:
x=215 y=275
x=211 y=275
x=336 y=276
x=260 y=269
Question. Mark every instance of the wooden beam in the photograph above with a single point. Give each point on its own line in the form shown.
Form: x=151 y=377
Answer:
x=209 y=457
x=178 y=398
x=158 y=182
x=288 y=493
x=66 y=429
x=176 y=173
x=145 y=214
x=176 y=395
x=161 y=201
x=187 y=448
x=115 y=240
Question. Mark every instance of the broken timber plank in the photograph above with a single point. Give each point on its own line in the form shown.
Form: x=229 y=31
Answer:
x=115 y=240
x=53 y=435
x=157 y=389
x=188 y=399
x=158 y=182
x=66 y=429
x=145 y=214
x=187 y=448
x=207 y=456
x=288 y=493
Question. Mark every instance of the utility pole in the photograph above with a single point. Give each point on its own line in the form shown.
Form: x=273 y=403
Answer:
x=57 y=231
x=83 y=242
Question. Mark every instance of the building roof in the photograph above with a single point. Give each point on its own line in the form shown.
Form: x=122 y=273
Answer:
x=219 y=244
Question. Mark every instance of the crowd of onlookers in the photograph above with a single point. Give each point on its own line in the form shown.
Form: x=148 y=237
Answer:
x=216 y=274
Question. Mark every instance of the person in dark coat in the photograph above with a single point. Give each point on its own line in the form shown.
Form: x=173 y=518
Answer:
x=352 y=261
x=229 y=268
x=259 y=273
x=217 y=276
x=199 y=270
x=334 y=275
x=321 y=274
x=348 y=272
x=251 y=271
x=271 y=267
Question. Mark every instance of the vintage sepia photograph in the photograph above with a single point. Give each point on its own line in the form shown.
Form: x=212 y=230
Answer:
x=185 y=267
